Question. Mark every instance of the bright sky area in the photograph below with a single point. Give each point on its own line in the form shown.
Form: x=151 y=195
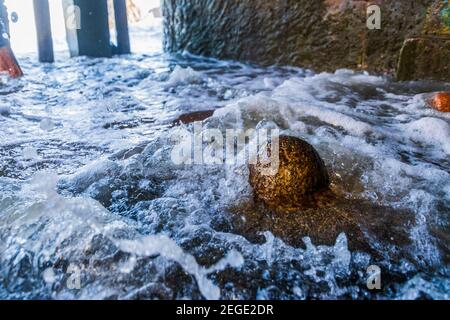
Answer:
x=23 y=33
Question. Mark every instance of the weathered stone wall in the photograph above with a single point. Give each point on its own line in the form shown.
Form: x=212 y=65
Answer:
x=428 y=56
x=320 y=34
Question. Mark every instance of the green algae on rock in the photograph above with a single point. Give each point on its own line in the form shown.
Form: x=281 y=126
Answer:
x=426 y=55
x=438 y=19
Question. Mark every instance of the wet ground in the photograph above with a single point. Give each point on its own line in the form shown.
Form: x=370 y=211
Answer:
x=89 y=191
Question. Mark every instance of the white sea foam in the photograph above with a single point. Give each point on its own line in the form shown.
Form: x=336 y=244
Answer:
x=152 y=245
x=182 y=75
x=5 y=110
x=380 y=141
x=431 y=131
x=84 y=218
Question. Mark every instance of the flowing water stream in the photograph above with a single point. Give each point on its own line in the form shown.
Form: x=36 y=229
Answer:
x=91 y=205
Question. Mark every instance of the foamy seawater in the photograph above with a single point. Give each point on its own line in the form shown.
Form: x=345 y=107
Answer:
x=92 y=207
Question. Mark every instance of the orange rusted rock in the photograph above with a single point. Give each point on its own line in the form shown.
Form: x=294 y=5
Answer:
x=441 y=101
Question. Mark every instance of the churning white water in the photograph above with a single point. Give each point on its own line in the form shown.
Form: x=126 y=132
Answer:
x=91 y=205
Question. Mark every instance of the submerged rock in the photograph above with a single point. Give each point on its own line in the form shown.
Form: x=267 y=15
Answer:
x=440 y=101
x=301 y=174
x=371 y=228
x=194 y=117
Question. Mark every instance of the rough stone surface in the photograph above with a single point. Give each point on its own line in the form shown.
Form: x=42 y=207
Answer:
x=320 y=34
x=360 y=220
x=426 y=57
x=301 y=173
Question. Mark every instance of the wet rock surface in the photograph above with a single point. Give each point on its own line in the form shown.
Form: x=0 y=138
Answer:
x=425 y=57
x=297 y=202
x=375 y=229
x=322 y=35
x=300 y=174
x=193 y=117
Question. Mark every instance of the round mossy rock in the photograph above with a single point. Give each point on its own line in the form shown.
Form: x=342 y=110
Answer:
x=301 y=173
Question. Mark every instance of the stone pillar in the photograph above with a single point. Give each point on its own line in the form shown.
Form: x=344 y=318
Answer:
x=123 y=38
x=43 y=30
x=87 y=28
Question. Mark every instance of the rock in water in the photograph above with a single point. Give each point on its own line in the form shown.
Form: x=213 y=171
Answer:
x=297 y=202
x=194 y=117
x=369 y=227
x=301 y=174
x=441 y=101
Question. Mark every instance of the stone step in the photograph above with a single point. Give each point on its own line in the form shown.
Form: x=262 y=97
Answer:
x=425 y=57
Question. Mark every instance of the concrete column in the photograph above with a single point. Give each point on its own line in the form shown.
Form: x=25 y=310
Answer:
x=87 y=28
x=43 y=30
x=123 y=38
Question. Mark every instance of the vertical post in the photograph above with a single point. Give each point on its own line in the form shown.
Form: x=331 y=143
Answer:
x=123 y=38
x=43 y=30
x=87 y=28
